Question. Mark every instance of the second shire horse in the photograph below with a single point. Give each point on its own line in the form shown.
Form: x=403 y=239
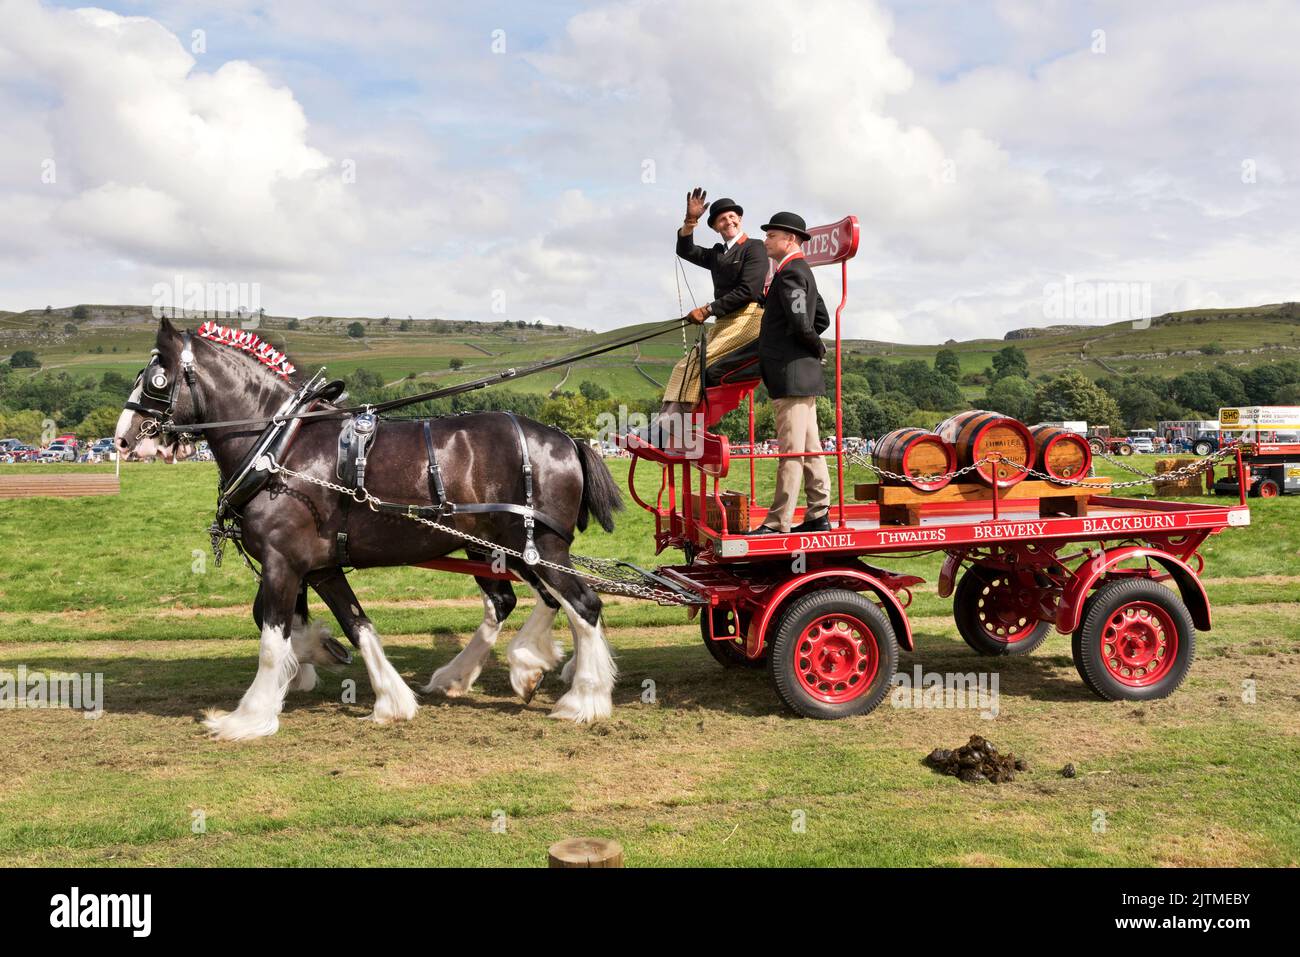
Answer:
x=303 y=534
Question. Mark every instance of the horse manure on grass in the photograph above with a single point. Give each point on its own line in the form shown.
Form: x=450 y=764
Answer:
x=977 y=762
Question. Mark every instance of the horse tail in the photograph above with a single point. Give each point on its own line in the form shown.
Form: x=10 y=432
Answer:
x=600 y=496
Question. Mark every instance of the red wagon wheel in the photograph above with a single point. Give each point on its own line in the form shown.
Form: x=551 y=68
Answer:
x=1267 y=488
x=995 y=616
x=1136 y=641
x=834 y=655
x=730 y=653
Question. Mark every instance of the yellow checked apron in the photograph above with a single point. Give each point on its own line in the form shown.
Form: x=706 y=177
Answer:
x=726 y=335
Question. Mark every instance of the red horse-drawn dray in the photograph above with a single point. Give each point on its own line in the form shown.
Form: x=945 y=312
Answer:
x=1022 y=556
x=1030 y=539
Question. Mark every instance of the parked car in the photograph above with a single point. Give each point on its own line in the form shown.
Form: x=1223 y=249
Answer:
x=58 y=452
x=1142 y=440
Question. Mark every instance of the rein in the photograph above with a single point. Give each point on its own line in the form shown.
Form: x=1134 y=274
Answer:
x=153 y=423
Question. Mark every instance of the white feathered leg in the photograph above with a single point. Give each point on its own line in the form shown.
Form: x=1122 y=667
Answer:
x=457 y=677
x=259 y=709
x=533 y=651
x=591 y=693
x=394 y=700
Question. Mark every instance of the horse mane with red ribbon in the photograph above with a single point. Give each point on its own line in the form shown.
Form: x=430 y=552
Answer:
x=248 y=342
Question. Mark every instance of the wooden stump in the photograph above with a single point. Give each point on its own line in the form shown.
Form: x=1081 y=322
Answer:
x=585 y=852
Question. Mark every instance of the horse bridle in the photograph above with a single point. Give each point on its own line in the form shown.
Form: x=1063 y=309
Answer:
x=159 y=387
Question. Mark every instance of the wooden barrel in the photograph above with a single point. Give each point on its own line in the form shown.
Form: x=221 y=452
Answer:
x=977 y=435
x=915 y=452
x=1061 y=453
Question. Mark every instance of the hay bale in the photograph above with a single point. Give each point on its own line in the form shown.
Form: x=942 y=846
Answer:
x=1179 y=487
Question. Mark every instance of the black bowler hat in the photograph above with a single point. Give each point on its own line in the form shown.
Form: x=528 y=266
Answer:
x=791 y=223
x=720 y=206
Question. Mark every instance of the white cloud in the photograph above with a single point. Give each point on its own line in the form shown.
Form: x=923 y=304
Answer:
x=986 y=150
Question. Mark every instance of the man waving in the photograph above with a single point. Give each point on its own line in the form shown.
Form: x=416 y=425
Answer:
x=738 y=266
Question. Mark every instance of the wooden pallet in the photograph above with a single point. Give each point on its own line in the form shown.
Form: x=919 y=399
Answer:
x=59 y=485
x=904 y=505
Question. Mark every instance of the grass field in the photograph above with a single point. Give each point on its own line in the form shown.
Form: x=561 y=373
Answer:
x=713 y=772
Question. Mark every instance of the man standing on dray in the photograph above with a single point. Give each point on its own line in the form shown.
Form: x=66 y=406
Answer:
x=738 y=266
x=791 y=353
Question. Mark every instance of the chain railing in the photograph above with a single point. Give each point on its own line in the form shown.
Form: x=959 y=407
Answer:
x=859 y=457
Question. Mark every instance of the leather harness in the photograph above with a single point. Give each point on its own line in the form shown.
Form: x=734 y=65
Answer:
x=442 y=507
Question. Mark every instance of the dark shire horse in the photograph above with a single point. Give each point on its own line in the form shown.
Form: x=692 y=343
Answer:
x=292 y=526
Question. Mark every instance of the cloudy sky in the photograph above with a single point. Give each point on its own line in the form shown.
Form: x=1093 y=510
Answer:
x=453 y=159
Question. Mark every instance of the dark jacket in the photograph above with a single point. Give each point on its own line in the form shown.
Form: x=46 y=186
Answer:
x=789 y=344
x=738 y=273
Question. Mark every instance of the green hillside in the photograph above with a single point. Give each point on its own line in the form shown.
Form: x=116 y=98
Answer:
x=1173 y=343
x=116 y=338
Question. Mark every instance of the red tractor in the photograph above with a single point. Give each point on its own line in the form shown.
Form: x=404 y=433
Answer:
x=1103 y=442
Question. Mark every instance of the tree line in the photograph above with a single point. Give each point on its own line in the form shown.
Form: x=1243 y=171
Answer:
x=879 y=396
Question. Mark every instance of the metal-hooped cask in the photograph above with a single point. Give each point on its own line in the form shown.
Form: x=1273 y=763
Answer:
x=916 y=453
x=1061 y=453
x=976 y=435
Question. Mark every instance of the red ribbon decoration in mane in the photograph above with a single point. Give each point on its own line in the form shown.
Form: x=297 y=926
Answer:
x=248 y=342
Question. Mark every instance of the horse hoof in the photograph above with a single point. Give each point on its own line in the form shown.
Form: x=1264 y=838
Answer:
x=582 y=706
x=443 y=682
x=306 y=679
x=336 y=651
x=526 y=682
x=237 y=726
x=391 y=709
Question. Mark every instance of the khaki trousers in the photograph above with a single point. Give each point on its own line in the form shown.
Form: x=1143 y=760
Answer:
x=796 y=430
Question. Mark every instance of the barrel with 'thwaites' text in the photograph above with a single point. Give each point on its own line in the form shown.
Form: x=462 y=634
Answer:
x=997 y=442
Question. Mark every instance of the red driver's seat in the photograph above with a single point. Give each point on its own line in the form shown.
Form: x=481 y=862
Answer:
x=728 y=382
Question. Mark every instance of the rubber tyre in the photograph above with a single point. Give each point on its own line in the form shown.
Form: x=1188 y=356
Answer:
x=1076 y=644
x=1102 y=609
x=870 y=623
x=729 y=654
x=1125 y=449
x=1203 y=448
x=1097 y=447
x=965 y=612
x=1267 y=488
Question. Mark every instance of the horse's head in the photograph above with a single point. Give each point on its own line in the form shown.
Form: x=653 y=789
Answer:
x=163 y=393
